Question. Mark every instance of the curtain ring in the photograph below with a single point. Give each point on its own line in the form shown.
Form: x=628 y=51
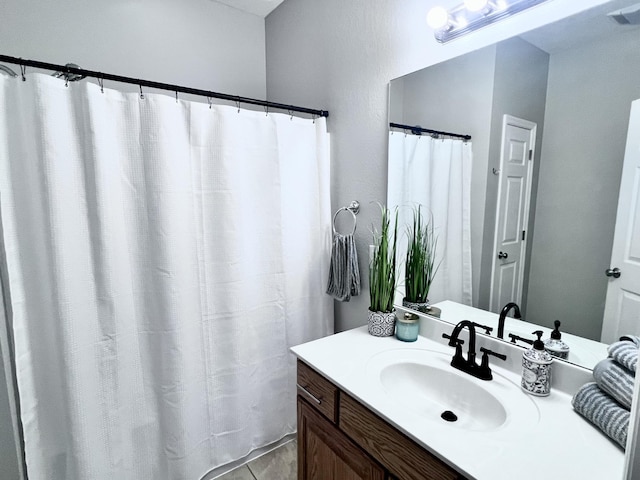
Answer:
x=101 y=83
x=23 y=70
x=141 y=94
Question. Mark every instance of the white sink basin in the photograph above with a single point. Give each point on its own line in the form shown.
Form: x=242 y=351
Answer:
x=424 y=382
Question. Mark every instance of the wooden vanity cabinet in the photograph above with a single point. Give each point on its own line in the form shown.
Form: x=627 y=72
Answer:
x=340 y=439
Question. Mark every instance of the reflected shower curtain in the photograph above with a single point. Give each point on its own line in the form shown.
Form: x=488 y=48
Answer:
x=435 y=173
x=162 y=257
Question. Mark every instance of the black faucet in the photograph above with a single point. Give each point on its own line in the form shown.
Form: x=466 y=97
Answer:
x=503 y=316
x=469 y=365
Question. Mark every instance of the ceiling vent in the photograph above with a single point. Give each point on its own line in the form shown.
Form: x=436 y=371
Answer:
x=627 y=16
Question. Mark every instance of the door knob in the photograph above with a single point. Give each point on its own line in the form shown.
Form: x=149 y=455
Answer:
x=503 y=255
x=613 y=272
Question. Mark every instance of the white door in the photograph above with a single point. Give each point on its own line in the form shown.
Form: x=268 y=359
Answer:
x=514 y=191
x=622 y=308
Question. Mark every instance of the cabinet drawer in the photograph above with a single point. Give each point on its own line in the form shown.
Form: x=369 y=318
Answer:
x=400 y=455
x=318 y=391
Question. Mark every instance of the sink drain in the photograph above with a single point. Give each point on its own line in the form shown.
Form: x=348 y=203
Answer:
x=449 y=416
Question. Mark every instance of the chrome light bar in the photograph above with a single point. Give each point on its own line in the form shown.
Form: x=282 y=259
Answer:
x=472 y=15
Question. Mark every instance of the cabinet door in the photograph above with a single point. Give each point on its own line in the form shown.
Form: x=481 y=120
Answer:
x=400 y=455
x=325 y=453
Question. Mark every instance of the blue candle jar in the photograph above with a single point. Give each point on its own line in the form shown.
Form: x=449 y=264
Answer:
x=407 y=327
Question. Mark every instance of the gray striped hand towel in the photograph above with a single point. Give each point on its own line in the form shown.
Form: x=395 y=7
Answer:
x=344 y=272
x=625 y=352
x=603 y=411
x=615 y=380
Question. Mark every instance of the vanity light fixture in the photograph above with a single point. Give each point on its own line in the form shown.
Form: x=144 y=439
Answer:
x=472 y=15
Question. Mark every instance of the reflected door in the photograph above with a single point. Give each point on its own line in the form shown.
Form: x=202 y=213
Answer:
x=514 y=191
x=622 y=308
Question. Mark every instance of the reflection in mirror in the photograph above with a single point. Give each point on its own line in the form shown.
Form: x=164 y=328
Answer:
x=556 y=101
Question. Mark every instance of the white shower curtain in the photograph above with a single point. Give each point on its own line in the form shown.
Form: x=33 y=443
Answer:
x=162 y=257
x=435 y=173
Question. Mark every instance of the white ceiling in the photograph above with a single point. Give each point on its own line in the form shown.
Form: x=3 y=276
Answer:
x=261 y=8
x=578 y=29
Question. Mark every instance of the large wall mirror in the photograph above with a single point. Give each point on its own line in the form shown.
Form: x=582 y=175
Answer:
x=572 y=84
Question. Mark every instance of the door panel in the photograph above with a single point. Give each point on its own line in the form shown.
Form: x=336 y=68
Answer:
x=622 y=308
x=513 y=209
x=507 y=282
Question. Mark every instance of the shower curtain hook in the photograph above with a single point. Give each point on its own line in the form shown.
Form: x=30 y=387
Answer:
x=210 y=100
x=238 y=105
x=291 y=117
x=101 y=83
x=66 y=81
x=23 y=70
x=141 y=94
x=176 y=96
x=266 y=110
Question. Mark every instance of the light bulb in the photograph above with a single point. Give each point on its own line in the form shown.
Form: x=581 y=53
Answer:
x=438 y=18
x=501 y=5
x=475 y=5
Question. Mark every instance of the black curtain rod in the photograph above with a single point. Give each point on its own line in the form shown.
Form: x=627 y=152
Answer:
x=163 y=86
x=419 y=130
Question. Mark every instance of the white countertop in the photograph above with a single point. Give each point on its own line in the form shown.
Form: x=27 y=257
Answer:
x=560 y=445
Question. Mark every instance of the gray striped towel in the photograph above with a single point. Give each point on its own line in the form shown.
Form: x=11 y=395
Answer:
x=344 y=273
x=603 y=411
x=625 y=352
x=615 y=380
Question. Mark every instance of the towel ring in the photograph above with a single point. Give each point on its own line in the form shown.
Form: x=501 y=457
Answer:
x=344 y=209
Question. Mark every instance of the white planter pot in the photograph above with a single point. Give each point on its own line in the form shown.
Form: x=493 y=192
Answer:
x=418 y=306
x=381 y=324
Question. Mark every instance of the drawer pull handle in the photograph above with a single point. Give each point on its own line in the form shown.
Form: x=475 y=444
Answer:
x=309 y=394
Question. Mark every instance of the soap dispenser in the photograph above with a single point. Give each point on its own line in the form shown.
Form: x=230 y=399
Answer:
x=554 y=345
x=536 y=368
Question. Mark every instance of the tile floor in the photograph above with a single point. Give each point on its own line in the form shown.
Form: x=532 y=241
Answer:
x=278 y=464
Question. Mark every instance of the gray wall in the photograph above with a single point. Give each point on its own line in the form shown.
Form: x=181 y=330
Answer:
x=198 y=43
x=456 y=96
x=589 y=96
x=520 y=90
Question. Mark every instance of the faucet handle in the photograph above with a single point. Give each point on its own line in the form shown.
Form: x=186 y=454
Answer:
x=516 y=337
x=486 y=328
x=484 y=372
x=457 y=360
x=453 y=342
x=486 y=352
